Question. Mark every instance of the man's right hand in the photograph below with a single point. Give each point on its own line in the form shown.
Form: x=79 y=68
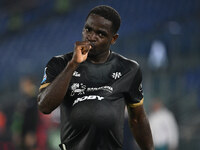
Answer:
x=52 y=96
x=81 y=50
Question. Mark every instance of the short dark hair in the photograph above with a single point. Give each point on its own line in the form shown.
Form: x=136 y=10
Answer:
x=108 y=13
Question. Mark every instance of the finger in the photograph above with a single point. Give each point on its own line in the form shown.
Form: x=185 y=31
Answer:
x=85 y=49
x=82 y=43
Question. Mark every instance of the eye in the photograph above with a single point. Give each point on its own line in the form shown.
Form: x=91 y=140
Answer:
x=101 y=34
x=87 y=29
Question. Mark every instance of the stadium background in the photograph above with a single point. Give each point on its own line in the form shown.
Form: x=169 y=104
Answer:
x=33 y=31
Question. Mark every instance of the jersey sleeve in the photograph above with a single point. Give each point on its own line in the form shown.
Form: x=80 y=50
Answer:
x=134 y=96
x=51 y=71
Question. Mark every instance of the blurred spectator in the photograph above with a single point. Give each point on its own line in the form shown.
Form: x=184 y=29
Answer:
x=48 y=132
x=2 y=122
x=4 y=142
x=54 y=131
x=25 y=117
x=42 y=131
x=158 y=56
x=164 y=127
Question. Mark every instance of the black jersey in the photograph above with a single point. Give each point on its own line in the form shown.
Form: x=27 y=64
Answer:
x=92 y=112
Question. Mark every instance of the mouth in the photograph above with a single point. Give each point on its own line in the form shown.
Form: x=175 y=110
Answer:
x=92 y=44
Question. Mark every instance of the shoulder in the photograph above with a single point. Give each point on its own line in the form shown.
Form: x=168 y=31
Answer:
x=130 y=63
x=61 y=59
x=57 y=63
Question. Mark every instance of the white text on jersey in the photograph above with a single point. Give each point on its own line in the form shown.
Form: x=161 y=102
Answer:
x=90 y=97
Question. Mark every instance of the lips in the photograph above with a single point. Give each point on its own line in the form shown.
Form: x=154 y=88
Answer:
x=92 y=44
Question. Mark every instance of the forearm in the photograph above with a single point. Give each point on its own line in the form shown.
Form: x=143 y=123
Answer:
x=140 y=128
x=52 y=96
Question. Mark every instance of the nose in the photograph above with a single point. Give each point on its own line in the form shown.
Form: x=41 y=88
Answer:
x=92 y=37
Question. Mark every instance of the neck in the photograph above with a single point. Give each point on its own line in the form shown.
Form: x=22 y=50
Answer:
x=101 y=58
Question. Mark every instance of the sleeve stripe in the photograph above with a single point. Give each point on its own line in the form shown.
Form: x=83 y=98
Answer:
x=136 y=104
x=43 y=86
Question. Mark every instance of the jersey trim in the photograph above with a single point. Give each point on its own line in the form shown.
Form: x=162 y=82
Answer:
x=136 y=104
x=43 y=86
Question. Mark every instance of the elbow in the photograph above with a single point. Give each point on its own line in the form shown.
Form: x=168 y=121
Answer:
x=44 y=110
x=42 y=107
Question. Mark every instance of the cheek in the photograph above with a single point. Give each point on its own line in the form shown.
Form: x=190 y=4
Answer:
x=105 y=43
x=83 y=36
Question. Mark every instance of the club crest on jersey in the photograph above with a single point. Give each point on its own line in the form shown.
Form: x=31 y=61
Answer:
x=76 y=74
x=78 y=88
x=116 y=75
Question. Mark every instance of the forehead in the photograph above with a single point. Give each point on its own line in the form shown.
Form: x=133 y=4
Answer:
x=97 y=21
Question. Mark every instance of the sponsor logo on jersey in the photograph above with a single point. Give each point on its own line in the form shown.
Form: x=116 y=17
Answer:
x=78 y=88
x=76 y=74
x=45 y=76
x=104 y=88
x=90 y=97
x=116 y=75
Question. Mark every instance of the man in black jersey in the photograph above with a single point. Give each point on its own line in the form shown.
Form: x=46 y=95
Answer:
x=93 y=85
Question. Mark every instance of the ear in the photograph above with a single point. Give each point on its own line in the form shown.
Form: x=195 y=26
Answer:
x=114 y=38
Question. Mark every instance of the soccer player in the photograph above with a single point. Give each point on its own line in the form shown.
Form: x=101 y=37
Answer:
x=93 y=85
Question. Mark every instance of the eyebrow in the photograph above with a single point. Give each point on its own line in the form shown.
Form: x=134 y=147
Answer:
x=97 y=31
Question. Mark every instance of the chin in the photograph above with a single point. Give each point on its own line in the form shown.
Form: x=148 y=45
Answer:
x=92 y=53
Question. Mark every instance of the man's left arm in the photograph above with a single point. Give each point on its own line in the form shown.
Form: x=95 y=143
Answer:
x=140 y=127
